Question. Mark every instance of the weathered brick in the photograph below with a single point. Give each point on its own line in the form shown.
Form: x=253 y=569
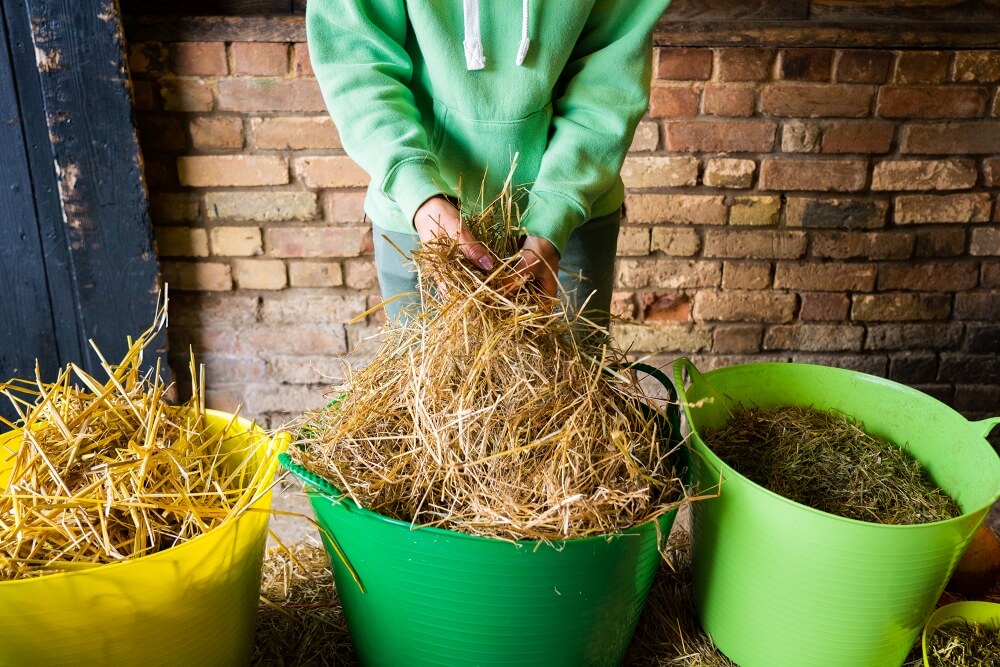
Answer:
x=267 y=274
x=187 y=95
x=937 y=243
x=824 y=306
x=171 y=207
x=202 y=276
x=680 y=242
x=330 y=171
x=862 y=245
x=835 y=213
x=982 y=338
x=319 y=241
x=181 y=242
x=928 y=276
x=344 y=206
x=684 y=64
x=858 y=66
x=969 y=368
x=659 y=172
x=360 y=274
x=990 y=275
x=916 y=209
x=259 y=58
x=728 y=100
x=309 y=306
x=646 y=138
x=216 y=132
x=736 y=338
x=213 y=311
x=731 y=136
x=803 y=174
x=681 y=209
x=913 y=367
x=661 y=338
x=921 y=67
x=805 y=64
x=900 y=307
x=951 y=138
x=232 y=170
x=729 y=173
x=996 y=104
x=814 y=337
x=623 y=305
x=295 y=132
x=980 y=398
x=313 y=369
x=979 y=66
x=816 y=100
x=799 y=136
x=746 y=275
x=667 y=273
x=262 y=205
x=944 y=174
x=754 y=244
x=913 y=336
x=225 y=368
x=666 y=307
x=743 y=64
x=980 y=305
x=931 y=102
x=254 y=94
x=305 y=338
x=675 y=101
x=301 y=65
x=143 y=95
x=633 y=241
x=227 y=400
x=160 y=170
x=985 y=242
x=160 y=133
x=198 y=58
x=871 y=364
x=744 y=306
x=991 y=172
x=236 y=241
x=315 y=274
x=755 y=211
x=146 y=57
x=858 y=136
x=824 y=276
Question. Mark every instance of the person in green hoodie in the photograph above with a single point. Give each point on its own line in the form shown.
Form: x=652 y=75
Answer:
x=427 y=94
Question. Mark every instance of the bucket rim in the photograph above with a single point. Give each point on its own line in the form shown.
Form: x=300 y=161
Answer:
x=276 y=440
x=972 y=610
x=701 y=448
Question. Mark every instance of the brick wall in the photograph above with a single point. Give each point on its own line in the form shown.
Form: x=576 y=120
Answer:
x=834 y=206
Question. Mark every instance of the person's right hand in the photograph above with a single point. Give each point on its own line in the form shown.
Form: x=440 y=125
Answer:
x=438 y=217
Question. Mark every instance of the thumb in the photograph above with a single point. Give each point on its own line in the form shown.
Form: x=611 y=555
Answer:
x=475 y=250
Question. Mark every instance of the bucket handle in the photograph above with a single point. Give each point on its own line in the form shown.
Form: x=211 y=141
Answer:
x=984 y=426
x=673 y=416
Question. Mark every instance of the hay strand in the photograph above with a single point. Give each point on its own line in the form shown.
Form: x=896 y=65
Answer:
x=962 y=644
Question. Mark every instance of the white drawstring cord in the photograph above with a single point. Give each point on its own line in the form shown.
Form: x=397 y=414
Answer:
x=473 y=39
x=522 y=50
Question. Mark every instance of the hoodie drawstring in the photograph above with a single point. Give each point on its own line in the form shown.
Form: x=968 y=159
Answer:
x=474 y=59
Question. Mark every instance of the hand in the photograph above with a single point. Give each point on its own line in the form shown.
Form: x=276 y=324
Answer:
x=540 y=262
x=437 y=217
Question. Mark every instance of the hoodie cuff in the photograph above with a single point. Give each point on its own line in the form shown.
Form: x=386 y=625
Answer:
x=552 y=217
x=412 y=182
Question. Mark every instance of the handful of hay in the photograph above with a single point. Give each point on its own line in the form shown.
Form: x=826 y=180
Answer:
x=107 y=472
x=828 y=462
x=493 y=411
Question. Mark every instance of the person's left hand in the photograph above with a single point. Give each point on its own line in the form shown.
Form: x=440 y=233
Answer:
x=539 y=262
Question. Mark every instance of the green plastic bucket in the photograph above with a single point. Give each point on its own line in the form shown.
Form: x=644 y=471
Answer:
x=439 y=597
x=778 y=584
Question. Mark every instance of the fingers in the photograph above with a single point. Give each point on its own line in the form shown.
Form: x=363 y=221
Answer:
x=539 y=262
x=438 y=217
x=474 y=250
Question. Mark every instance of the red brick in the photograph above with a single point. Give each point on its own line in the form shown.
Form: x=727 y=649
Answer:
x=928 y=276
x=728 y=100
x=295 y=132
x=746 y=275
x=232 y=170
x=214 y=132
x=301 y=66
x=756 y=244
x=991 y=172
x=198 y=58
x=931 y=102
x=948 y=174
x=684 y=64
x=187 y=95
x=951 y=138
x=678 y=209
x=862 y=66
x=861 y=136
x=921 y=67
x=977 y=305
x=667 y=273
x=990 y=274
x=252 y=94
x=816 y=100
x=666 y=308
x=862 y=245
x=674 y=101
x=344 y=206
x=736 y=338
x=804 y=64
x=815 y=337
x=835 y=212
x=820 y=175
x=948 y=241
x=160 y=133
x=823 y=307
x=744 y=306
x=980 y=66
x=916 y=209
x=259 y=58
x=732 y=136
x=824 y=276
x=319 y=241
x=900 y=307
x=743 y=64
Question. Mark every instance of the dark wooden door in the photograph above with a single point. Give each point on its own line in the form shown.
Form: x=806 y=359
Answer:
x=76 y=249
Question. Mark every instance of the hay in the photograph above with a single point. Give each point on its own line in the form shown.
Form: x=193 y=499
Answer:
x=108 y=472
x=962 y=644
x=828 y=462
x=494 y=412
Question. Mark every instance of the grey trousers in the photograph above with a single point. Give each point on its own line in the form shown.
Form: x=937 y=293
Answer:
x=586 y=269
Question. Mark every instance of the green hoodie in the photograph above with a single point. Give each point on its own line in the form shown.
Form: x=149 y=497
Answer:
x=426 y=92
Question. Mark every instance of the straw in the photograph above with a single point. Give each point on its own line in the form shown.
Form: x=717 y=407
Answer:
x=962 y=644
x=827 y=461
x=494 y=411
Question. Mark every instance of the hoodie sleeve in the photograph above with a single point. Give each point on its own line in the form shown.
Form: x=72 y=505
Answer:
x=602 y=94
x=357 y=51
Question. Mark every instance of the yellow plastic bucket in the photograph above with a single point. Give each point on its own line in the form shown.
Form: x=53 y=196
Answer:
x=194 y=604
